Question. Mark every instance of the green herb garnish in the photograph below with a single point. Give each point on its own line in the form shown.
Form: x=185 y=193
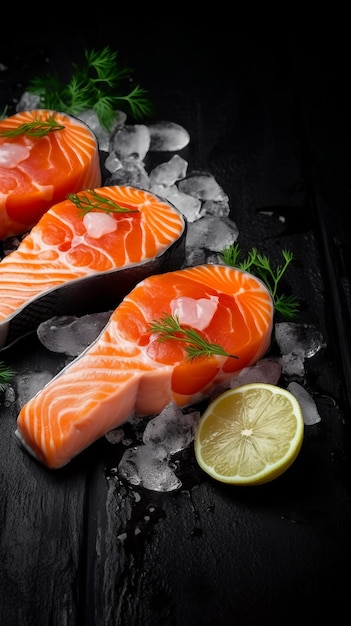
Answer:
x=170 y=328
x=101 y=84
x=6 y=375
x=37 y=128
x=86 y=204
x=260 y=265
x=4 y=112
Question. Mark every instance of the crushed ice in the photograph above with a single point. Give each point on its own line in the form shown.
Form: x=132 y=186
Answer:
x=149 y=465
x=168 y=137
x=297 y=342
x=303 y=339
x=307 y=403
x=70 y=334
x=131 y=141
x=27 y=384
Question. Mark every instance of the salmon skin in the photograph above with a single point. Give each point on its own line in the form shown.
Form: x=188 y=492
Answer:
x=39 y=171
x=75 y=261
x=127 y=371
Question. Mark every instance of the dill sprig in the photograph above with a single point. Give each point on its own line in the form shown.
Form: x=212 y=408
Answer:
x=169 y=327
x=260 y=265
x=37 y=128
x=96 y=201
x=6 y=375
x=4 y=112
x=102 y=84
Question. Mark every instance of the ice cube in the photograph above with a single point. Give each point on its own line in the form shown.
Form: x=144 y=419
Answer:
x=131 y=141
x=307 y=404
x=70 y=334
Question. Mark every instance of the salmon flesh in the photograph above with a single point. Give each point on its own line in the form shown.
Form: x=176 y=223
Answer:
x=128 y=371
x=77 y=261
x=38 y=171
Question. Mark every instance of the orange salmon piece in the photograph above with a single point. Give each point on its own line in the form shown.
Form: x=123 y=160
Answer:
x=68 y=246
x=38 y=172
x=127 y=371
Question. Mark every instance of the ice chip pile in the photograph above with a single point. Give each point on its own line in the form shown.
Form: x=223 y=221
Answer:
x=297 y=342
x=149 y=465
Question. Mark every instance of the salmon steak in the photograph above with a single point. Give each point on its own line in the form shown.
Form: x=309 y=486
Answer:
x=44 y=155
x=136 y=367
x=85 y=254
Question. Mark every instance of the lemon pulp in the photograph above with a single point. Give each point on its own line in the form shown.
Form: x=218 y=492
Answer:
x=250 y=434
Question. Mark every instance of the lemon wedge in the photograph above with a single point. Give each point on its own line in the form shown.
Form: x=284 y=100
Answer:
x=249 y=435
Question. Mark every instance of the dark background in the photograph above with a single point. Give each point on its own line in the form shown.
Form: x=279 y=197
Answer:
x=267 y=110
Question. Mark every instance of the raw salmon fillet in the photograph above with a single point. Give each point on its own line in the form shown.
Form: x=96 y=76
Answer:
x=74 y=261
x=37 y=172
x=128 y=371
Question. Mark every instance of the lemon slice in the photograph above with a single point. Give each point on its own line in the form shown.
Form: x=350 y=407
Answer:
x=250 y=435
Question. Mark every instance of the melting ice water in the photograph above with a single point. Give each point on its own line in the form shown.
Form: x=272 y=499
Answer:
x=206 y=206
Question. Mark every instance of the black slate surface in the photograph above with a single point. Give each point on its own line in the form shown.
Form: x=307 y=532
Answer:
x=267 y=117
